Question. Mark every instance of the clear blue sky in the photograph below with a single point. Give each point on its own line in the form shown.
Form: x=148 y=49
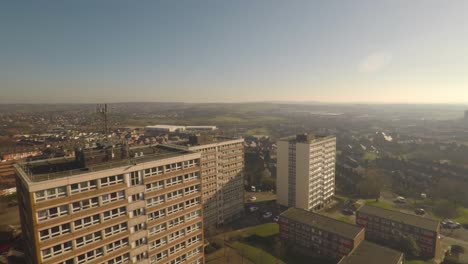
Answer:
x=232 y=51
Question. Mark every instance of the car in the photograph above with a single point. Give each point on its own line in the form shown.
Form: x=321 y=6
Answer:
x=400 y=199
x=419 y=211
x=267 y=215
x=347 y=211
x=253 y=208
x=251 y=199
x=276 y=218
x=447 y=223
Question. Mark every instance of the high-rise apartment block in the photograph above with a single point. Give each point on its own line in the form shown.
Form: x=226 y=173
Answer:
x=222 y=176
x=466 y=115
x=306 y=171
x=113 y=205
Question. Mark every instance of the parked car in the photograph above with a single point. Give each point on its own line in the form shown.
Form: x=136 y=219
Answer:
x=419 y=211
x=267 y=215
x=347 y=211
x=447 y=223
x=253 y=208
x=400 y=199
x=252 y=199
x=276 y=218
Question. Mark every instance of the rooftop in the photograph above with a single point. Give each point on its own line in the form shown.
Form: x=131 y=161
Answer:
x=203 y=139
x=322 y=222
x=306 y=138
x=413 y=220
x=97 y=159
x=368 y=252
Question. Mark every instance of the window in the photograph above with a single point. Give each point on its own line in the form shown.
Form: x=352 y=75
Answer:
x=194 y=227
x=176 y=234
x=116 y=245
x=161 y=255
x=114 y=213
x=111 y=180
x=157 y=243
x=50 y=193
x=135 y=178
x=139 y=242
x=156 y=215
x=193 y=239
x=154 y=186
x=173 y=167
x=157 y=228
x=115 y=229
x=88 y=239
x=190 y=163
x=54 y=232
x=112 y=197
x=120 y=259
x=83 y=186
x=155 y=200
x=85 y=204
x=192 y=215
x=174 y=194
x=176 y=221
x=90 y=255
x=176 y=248
x=138 y=197
x=52 y=212
x=175 y=208
x=192 y=189
x=56 y=250
x=173 y=181
x=138 y=227
x=87 y=221
x=192 y=202
x=191 y=176
x=138 y=212
x=154 y=171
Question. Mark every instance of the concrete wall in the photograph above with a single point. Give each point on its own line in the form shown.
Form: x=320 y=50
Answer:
x=282 y=173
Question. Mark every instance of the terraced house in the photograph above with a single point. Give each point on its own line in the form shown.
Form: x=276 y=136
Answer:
x=113 y=205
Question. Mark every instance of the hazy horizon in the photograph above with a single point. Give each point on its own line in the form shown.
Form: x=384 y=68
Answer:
x=369 y=52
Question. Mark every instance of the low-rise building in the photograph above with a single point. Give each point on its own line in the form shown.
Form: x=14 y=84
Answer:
x=368 y=252
x=319 y=235
x=389 y=227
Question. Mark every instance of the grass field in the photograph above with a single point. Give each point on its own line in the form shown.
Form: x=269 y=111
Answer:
x=370 y=156
x=462 y=216
x=258 y=131
x=255 y=254
x=381 y=204
x=264 y=230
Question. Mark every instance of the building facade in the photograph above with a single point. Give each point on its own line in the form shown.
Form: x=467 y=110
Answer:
x=388 y=227
x=222 y=175
x=113 y=206
x=306 y=171
x=318 y=235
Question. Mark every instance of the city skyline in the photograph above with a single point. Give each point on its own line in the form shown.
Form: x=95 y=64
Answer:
x=210 y=51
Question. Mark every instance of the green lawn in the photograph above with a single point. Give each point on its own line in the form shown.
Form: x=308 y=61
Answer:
x=256 y=255
x=381 y=204
x=264 y=230
x=414 y=262
x=462 y=216
x=370 y=156
x=345 y=219
x=258 y=131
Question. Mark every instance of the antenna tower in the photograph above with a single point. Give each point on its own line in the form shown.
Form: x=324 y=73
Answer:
x=101 y=109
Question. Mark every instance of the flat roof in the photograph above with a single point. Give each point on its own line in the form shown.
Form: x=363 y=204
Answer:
x=368 y=252
x=212 y=140
x=96 y=160
x=165 y=126
x=413 y=220
x=323 y=222
x=310 y=138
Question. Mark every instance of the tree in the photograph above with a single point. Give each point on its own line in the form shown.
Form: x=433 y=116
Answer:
x=409 y=246
x=445 y=209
